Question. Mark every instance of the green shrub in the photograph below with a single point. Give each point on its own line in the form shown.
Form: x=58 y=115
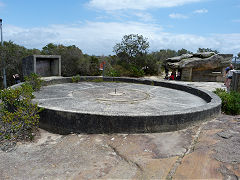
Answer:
x=125 y=70
x=19 y=117
x=136 y=72
x=113 y=73
x=230 y=101
x=76 y=79
x=27 y=90
x=34 y=80
x=121 y=70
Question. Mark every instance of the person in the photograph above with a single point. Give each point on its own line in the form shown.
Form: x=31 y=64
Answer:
x=16 y=78
x=178 y=75
x=173 y=75
x=229 y=77
x=226 y=72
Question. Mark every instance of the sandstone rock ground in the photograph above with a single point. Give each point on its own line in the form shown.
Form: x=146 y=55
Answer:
x=209 y=150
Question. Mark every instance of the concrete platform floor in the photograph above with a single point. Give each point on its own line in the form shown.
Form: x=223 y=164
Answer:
x=130 y=99
x=210 y=86
x=209 y=150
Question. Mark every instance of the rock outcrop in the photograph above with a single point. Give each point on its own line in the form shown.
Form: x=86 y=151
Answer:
x=207 y=66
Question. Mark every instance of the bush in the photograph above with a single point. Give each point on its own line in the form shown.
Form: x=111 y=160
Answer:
x=121 y=70
x=34 y=80
x=230 y=101
x=76 y=79
x=113 y=73
x=136 y=72
x=18 y=115
x=126 y=71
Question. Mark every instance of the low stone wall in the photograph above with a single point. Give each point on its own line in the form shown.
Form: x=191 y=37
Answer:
x=65 y=122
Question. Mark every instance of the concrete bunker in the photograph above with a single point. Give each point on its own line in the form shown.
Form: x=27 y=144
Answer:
x=43 y=65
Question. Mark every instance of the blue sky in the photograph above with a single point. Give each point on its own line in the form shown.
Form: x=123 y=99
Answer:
x=95 y=26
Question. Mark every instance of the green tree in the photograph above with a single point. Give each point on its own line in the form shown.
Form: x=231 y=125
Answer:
x=51 y=49
x=94 y=66
x=183 y=51
x=152 y=65
x=71 y=57
x=164 y=54
x=206 y=50
x=12 y=54
x=132 y=49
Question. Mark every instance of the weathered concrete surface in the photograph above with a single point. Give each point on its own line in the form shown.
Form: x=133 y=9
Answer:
x=129 y=106
x=209 y=86
x=207 y=150
x=129 y=99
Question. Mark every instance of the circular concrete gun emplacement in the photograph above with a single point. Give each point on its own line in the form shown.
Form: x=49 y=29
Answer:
x=122 y=105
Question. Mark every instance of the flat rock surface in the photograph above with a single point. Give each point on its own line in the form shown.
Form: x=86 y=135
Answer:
x=209 y=150
x=116 y=99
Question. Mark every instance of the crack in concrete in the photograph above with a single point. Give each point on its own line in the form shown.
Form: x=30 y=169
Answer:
x=188 y=150
x=130 y=162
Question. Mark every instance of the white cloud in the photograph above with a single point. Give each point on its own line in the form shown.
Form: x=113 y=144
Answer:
x=177 y=16
x=144 y=17
x=92 y=37
x=201 y=11
x=99 y=37
x=111 y=5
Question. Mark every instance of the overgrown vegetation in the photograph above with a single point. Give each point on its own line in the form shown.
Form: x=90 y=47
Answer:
x=132 y=58
x=76 y=79
x=34 y=81
x=19 y=117
x=73 y=60
x=13 y=55
x=207 y=50
x=230 y=101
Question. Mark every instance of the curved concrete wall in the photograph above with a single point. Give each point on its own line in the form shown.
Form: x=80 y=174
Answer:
x=65 y=122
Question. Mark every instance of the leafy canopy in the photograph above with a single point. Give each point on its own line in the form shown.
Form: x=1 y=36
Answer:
x=206 y=50
x=132 y=45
